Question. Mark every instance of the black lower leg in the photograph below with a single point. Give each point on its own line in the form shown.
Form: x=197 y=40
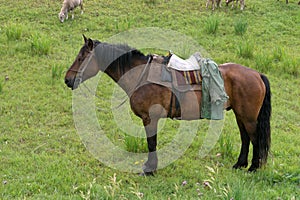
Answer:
x=151 y=165
x=243 y=157
x=255 y=158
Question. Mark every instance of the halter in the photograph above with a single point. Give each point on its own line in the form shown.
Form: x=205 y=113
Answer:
x=80 y=71
x=87 y=60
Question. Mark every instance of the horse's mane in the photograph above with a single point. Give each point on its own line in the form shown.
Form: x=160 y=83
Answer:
x=116 y=55
x=123 y=47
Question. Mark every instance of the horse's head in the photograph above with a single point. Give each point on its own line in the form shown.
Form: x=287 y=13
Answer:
x=79 y=72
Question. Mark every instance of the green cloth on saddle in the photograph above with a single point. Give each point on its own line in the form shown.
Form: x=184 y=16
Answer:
x=213 y=91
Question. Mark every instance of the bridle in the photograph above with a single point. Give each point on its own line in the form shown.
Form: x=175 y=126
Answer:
x=84 y=63
x=80 y=71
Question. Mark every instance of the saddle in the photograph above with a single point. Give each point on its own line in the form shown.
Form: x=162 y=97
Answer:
x=176 y=73
x=197 y=78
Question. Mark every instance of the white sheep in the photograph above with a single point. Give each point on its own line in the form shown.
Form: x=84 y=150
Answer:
x=242 y=3
x=69 y=5
x=214 y=3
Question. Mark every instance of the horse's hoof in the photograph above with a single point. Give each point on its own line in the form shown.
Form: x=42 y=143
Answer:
x=252 y=169
x=146 y=174
x=239 y=166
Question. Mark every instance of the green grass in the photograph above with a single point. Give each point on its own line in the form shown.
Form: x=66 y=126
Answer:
x=40 y=45
x=212 y=24
x=43 y=157
x=135 y=144
x=263 y=62
x=278 y=54
x=240 y=27
x=226 y=146
x=13 y=32
x=57 y=72
x=245 y=50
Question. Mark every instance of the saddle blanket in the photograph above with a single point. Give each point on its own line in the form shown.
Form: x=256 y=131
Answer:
x=188 y=77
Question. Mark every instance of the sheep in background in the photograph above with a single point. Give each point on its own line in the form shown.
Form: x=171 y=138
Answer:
x=69 y=5
x=242 y=3
x=214 y=3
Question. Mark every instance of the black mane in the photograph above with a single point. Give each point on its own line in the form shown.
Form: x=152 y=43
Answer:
x=126 y=48
x=116 y=56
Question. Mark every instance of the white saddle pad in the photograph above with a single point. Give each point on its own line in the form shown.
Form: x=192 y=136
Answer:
x=184 y=65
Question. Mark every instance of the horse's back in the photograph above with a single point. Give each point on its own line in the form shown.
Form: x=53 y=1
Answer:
x=245 y=88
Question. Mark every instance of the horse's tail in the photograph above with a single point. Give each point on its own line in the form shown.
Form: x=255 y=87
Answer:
x=263 y=123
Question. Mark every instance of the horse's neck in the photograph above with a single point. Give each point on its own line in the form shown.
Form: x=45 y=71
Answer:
x=117 y=70
x=127 y=76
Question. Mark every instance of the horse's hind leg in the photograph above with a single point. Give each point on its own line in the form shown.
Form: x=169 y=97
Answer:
x=243 y=157
x=255 y=158
x=248 y=133
x=251 y=128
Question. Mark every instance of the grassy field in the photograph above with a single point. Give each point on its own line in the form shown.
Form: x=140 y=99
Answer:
x=42 y=156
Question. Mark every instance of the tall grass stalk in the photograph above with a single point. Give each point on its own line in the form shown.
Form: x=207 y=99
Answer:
x=240 y=27
x=40 y=45
x=278 y=54
x=122 y=25
x=135 y=144
x=57 y=72
x=212 y=24
x=13 y=32
x=1 y=87
x=226 y=146
x=114 y=187
x=263 y=63
x=245 y=50
x=290 y=67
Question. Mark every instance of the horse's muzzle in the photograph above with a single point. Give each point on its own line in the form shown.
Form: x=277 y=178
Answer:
x=70 y=83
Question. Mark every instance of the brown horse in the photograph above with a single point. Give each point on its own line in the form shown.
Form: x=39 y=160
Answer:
x=248 y=91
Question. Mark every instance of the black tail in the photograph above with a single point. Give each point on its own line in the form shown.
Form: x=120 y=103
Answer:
x=263 y=123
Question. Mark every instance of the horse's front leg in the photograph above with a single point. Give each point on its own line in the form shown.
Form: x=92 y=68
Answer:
x=150 y=165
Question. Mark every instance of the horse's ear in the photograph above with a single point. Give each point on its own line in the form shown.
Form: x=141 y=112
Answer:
x=85 y=39
x=90 y=44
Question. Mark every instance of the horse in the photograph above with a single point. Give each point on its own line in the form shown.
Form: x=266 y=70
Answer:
x=69 y=5
x=248 y=90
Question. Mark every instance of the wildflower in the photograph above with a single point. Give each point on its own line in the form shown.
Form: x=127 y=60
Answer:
x=207 y=185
